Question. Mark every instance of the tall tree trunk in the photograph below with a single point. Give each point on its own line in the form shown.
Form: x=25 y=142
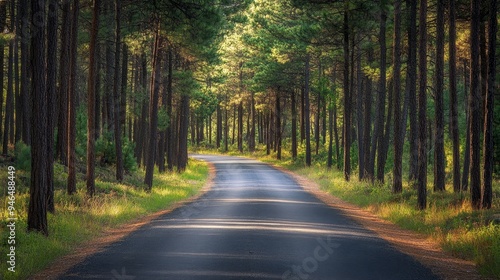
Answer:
x=397 y=183
x=3 y=20
x=97 y=114
x=488 y=147
x=359 y=116
x=51 y=97
x=453 y=96
x=153 y=111
x=218 y=136
x=117 y=96
x=378 y=129
x=439 y=163
x=465 y=173
x=412 y=88
x=37 y=209
x=384 y=147
x=307 y=121
x=422 y=109
x=347 y=101
x=91 y=96
x=170 y=136
x=367 y=119
x=316 y=123
x=183 y=132
x=294 y=125
x=240 y=127
x=378 y=133
x=251 y=136
x=475 y=107
x=278 y=124
x=142 y=131
x=72 y=99
x=62 y=119
x=9 y=102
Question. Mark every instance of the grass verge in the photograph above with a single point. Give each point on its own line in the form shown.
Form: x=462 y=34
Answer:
x=79 y=219
x=449 y=219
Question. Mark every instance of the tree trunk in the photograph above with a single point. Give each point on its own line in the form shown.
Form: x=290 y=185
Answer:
x=475 y=107
x=278 y=124
x=422 y=109
x=91 y=95
x=9 y=102
x=251 y=136
x=379 y=123
x=170 y=136
x=3 y=20
x=378 y=130
x=72 y=99
x=62 y=120
x=359 y=115
x=240 y=127
x=153 y=111
x=307 y=122
x=218 y=136
x=347 y=102
x=117 y=96
x=51 y=97
x=412 y=88
x=384 y=147
x=453 y=97
x=488 y=147
x=397 y=183
x=37 y=209
x=294 y=125
x=368 y=99
x=465 y=173
x=439 y=159
x=183 y=132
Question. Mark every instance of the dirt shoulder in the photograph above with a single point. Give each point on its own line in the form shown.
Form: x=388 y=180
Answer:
x=420 y=247
x=63 y=264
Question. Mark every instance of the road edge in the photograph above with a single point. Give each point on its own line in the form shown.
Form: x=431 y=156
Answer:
x=66 y=262
x=419 y=247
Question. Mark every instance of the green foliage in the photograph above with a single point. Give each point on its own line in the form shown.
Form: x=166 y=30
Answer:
x=163 y=119
x=106 y=151
x=22 y=155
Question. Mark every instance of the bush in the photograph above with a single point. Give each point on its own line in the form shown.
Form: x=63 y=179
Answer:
x=106 y=151
x=22 y=156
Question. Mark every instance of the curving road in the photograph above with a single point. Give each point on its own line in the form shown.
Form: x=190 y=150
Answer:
x=255 y=223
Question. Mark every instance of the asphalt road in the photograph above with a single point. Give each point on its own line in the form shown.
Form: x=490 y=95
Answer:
x=255 y=223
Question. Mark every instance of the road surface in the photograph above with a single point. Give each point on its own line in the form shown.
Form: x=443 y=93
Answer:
x=255 y=223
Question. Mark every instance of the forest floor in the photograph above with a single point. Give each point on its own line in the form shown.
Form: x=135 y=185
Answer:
x=84 y=225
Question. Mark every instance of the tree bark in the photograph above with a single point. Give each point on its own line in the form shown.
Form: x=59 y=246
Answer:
x=397 y=183
x=439 y=159
x=453 y=96
x=412 y=88
x=367 y=119
x=278 y=124
x=307 y=122
x=91 y=96
x=117 y=96
x=488 y=146
x=475 y=107
x=347 y=101
x=72 y=99
x=62 y=120
x=379 y=122
x=422 y=109
x=153 y=111
x=51 y=98
x=37 y=209
x=294 y=125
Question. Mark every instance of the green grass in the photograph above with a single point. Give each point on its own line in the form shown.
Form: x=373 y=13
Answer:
x=79 y=219
x=449 y=218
